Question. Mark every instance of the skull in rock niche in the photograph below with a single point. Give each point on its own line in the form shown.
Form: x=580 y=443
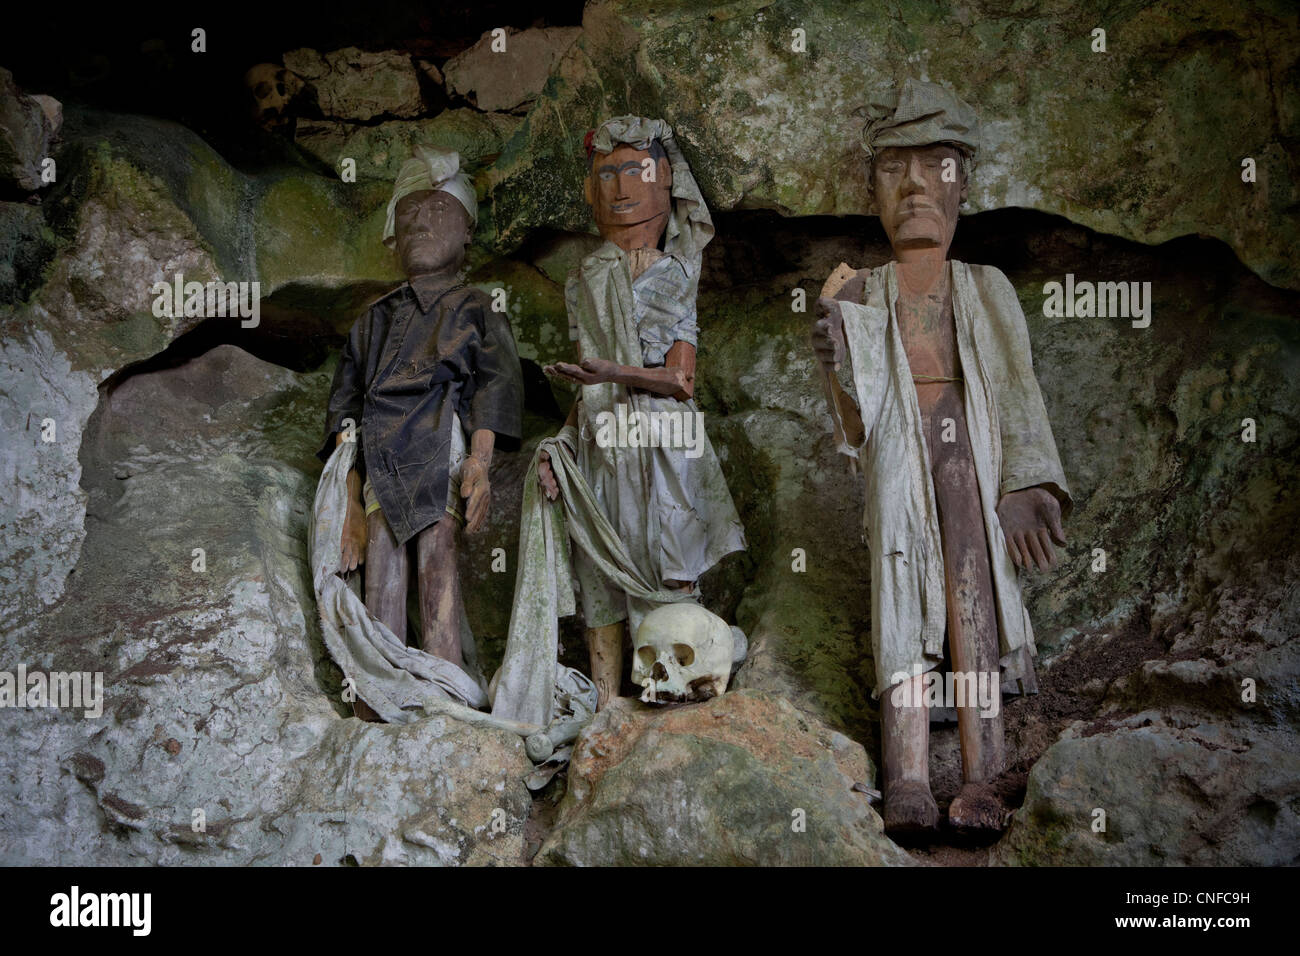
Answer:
x=683 y=653
x=271 y=88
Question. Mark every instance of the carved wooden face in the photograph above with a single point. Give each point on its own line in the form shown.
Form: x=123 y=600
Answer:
x=918 y=208
x=431 y=228
x=617 y=190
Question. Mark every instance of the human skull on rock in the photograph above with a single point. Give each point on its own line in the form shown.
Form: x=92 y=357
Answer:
x=272 y=88
x=683 y=653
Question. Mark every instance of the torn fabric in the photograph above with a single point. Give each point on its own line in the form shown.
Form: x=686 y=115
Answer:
x=544 y=581
x=1011 y=440
x=395 y=680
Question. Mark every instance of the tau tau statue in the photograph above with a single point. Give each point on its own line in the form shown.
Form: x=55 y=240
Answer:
x=428 y=381
x=631 y=307
x=941 y=411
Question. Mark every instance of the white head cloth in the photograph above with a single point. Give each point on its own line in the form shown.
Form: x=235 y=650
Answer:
x=431 y=168
x=689 y=227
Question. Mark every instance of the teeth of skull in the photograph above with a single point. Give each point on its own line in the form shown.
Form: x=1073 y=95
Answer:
x=648 y=696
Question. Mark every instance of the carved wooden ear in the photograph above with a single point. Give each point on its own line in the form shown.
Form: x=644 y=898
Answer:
x=664 y=171
x=588 y=192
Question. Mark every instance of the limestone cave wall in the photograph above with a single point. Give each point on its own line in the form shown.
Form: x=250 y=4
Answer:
x=1170 y=675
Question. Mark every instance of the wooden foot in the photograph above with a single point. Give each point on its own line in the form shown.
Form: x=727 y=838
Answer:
x=911 y=815
x=976 y=811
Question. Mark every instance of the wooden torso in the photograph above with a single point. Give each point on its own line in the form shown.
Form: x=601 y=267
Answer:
x=929 y=334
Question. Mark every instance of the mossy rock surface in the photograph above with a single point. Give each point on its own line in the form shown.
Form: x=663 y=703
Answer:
x=1145 y=140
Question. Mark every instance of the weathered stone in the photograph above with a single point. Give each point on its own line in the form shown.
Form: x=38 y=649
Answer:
x=743 y=779
x=1118 y=141
x=354 y=84
x=510 y=78
x=26 y=245
x=309 y=229
x=380 y=150
x=290 y=224
x=140 y=202
x=219 y=695
x=44 y=405
x=557 y=256
x=92 y=315
x=1170 y=795
x=52 y=109
x=1198 y=593
x=28 y=125
x=431 y=71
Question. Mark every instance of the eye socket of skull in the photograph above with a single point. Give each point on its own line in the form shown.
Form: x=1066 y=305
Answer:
x=685 y=654
x=647 y=655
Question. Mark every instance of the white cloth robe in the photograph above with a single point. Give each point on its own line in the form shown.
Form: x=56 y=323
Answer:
x=1013 y=447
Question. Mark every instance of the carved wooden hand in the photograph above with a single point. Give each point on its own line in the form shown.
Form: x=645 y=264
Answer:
x=1031 y=522
x=546 y=477
x=352 y=549
x=592 y=371
x=477 y=492
x=828 y=334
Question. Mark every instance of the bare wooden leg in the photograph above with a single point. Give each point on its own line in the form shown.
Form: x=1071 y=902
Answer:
x=361 y=709
x=972 y=622
x=440 y=600
x=605 y=645
x=387 y=574
x=910 y=809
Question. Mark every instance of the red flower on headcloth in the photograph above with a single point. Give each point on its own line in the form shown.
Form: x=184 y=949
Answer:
x=586 y=142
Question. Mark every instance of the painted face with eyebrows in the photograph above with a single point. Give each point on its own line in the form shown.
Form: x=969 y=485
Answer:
x=618 y=190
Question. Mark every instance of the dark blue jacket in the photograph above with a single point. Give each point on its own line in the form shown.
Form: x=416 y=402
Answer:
x=429 y=348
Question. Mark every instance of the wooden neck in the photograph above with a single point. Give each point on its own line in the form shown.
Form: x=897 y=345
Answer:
x=921 y=270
